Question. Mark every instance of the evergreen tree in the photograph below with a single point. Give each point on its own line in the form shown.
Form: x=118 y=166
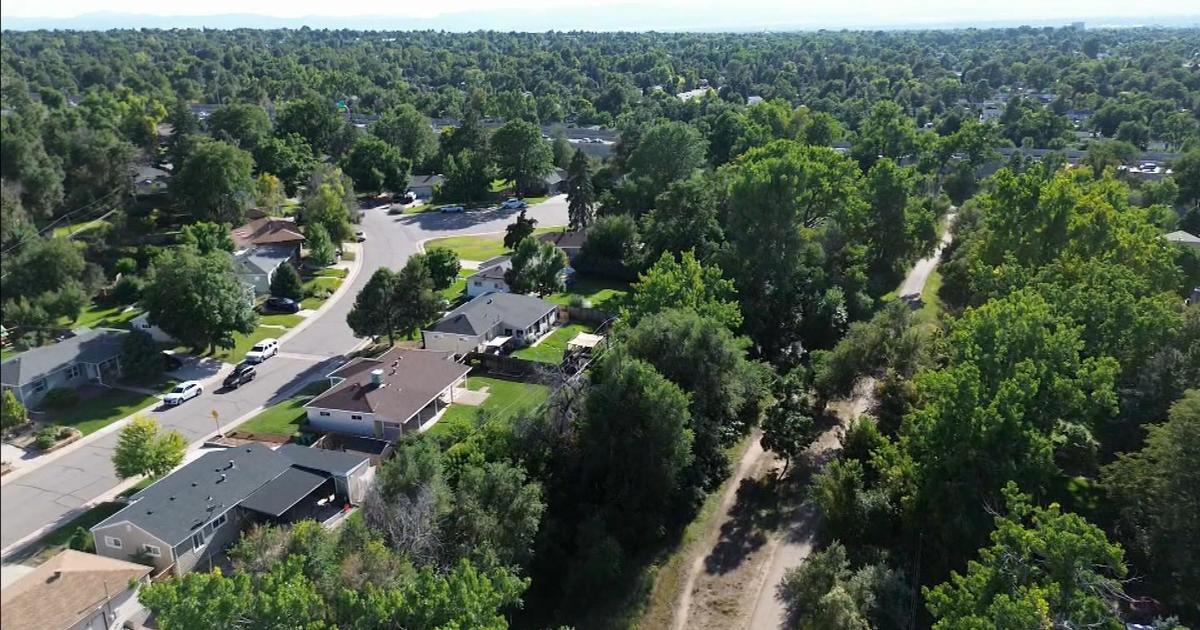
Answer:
x=581 y=196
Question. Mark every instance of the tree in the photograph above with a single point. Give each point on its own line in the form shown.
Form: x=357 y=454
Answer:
x=1045 y=568
x=141 y=360
x=899 y=228
x=634 y=445
x=1108 y=154
x=826 y=593
x=214 y=183
x=313 y=119
x=787 y=432
x=496 y=514
x=683 y=284
x=269 y=193
x=611 y=247
x=521 y=155
x=1156 y=492
x=200 y=601
x=327 y=207
x=198 y=300
x=1187 y=175
x=668 y=152
x=375 y=165
x=372 y=314
x=288 y=157
x=519 y=230
x=286 y=282
x=443 y=267
x=320 y=247
x=560 y=146
x=12 y=412
x=142 y=450
x=684 y=218
x=415 y=302
x=581 y=196
x=536 y=267
x=468 y=176
x=706 y=361
x=206 y=237
x=240 y=124
x=886 y=132
x=407 y=129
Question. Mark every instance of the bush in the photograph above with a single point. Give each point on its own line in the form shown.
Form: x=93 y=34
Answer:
x=12 y=412
x=60 y=398
x=81 y=540
x=48 y=437
x=286 y=282
x=125 y=266
x=578 y=301
x=128 y=290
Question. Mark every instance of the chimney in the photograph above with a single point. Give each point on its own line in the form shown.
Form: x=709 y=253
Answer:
x=377 y=377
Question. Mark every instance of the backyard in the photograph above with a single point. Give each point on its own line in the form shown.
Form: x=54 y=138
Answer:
x=598 y=293
x=454 y=293
x=552 y=348
x=505 y=400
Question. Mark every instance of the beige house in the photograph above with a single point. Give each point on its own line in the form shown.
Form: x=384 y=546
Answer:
x=74 y=591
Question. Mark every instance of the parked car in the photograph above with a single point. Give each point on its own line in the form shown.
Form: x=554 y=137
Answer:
x=453 y=209
x=262 y=351
x=360 y=236
x=182 y=393
x=281 y=305
x=512 y=203
x=409 y=197
x=170 y=362
x=242 y=373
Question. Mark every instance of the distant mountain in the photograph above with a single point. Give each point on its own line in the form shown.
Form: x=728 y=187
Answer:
x=601 y=18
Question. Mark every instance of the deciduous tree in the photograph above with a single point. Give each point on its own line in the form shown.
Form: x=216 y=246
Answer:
x=143 y=450
x=198 y=299
x=214 y=183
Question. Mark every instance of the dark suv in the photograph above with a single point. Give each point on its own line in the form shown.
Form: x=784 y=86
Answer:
x=242 y=373
x=281 y=305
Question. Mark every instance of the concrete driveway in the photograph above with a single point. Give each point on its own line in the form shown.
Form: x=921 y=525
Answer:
x=53 y=493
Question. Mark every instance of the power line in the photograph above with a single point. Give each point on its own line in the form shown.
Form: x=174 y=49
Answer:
x=50 y=227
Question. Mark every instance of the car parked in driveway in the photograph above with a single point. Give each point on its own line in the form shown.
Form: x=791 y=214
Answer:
x=512 y=203
x=453 y=209
x=281 y=305
x=360 y=236
x=182 y=393
x=242 y=373
x=262 y=351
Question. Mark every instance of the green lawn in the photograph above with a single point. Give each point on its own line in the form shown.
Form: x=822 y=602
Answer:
x=600 y=293
x=94 y=316
x=506 y=399
x=56 y=540
x=68 y=230
x=287 y=320
x=93 y=414
x=931 y=305
x=455 y=291
x=278 y=419
x=477 y=248
x=328 y=283
x=552 y=348
x=243 y=343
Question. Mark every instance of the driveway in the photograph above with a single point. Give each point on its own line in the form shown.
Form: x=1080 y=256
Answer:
x=53 y=493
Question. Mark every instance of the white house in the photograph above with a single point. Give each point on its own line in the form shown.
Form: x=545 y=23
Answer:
x=491 y=319
x=490 y=277
x=399 y=392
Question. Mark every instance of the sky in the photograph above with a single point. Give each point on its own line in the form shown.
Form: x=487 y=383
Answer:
x=843 y=12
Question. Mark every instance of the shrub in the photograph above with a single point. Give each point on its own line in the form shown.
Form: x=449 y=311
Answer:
x=82 y=540
x=578 y=301
x=12 y=412
x=47 y=437
x=128 y=290
x=286 y=282
x=125 y=266
x=60 y=398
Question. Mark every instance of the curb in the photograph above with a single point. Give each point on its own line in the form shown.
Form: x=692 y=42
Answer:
x=343 y=288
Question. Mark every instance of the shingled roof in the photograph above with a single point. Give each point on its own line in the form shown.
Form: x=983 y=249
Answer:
x=267 y=231
x=87 y=346
x=410 y=380
x=65 y=590
x=486 y=311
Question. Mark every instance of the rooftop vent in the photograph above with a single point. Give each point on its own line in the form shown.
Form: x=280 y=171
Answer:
x=222 y=478
x=229 y=466
x=377 y=378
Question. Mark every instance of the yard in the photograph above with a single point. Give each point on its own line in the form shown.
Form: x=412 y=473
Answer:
x=92 y=414
x=321 y=286
x=506 y=399
x=599 y=293
x=279 y=419
x=454 y=292
x=66 y=231
x=477 y=248
x=243 y=343
x=95 y=316
x=552 y=348
x=57 y=540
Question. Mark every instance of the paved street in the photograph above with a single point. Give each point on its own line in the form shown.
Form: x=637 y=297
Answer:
x=53 y=492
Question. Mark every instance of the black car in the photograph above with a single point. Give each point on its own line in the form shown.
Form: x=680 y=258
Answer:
x=170 y=363
x=282 y=305
x=242 y=373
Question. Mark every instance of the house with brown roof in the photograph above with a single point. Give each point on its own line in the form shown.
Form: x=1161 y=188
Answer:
x=74 y=591
x=570 y=242
x=261 y=246
x=401 y=391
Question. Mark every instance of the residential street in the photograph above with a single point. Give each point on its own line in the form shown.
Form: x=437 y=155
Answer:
x=52 y=493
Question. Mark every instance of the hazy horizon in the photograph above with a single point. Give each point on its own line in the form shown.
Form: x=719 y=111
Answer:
x=541 y=15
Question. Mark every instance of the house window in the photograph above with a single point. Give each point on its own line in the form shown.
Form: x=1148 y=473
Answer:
x=355 y=416
x=72 y=372
x=115 y=543
x=152 y=550
x=39 y=385
x=198 y=541
x=324 y=414
x=478 y=283
x=219 y=521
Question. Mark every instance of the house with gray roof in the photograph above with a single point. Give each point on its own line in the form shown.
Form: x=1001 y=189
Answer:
x=424 y=186
x=257 y=266
x=262 y=245
x=491 y=320
x=489 y=278
x=401 y=391
x=89 y=356
x=190 y=515
x=1186 y=239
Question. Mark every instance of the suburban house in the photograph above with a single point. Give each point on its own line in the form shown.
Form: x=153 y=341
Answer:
x=490 y=277
x=383 y=398
x=149 y=180
x=491 y=320
x=261 y=246
x=423 y=186
x=190 y=515
x=75 y=591
x=1183 y=238
x=554 y=182
x=142 y=323
x=571 y=243
x=90 y=356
